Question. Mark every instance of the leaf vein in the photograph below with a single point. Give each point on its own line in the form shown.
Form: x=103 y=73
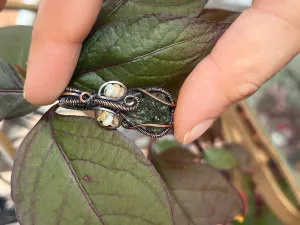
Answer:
x=92 y=138
x=63 y=204
x=98 y=68
x=121 y=171
x=84 y=192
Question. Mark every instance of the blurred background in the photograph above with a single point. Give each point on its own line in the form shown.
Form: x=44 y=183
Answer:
x=264 y=127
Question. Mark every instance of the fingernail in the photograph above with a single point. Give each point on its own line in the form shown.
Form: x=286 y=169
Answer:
x=197 y=131
x=24 y=94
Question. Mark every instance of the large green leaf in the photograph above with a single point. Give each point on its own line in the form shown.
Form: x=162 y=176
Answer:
x=216 y=15
x=200 y=194
x=144 y=51
x=68 y=170
x=113 y=10
x=15 y=42
x=11 y=93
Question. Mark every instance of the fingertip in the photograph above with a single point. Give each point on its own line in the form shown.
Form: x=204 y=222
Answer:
x=36 y=97
x=56 y=43
x=197 y=131
x=50 y=67
x=200 y=101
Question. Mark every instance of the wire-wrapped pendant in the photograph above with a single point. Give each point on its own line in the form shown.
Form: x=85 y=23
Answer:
x=149 y=111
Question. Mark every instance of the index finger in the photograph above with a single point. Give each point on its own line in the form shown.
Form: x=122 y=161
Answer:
x=60 y=28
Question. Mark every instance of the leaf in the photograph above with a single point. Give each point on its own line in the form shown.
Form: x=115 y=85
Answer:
x=242 y=156
x=15 y=42
x=22 y=109
x=200 y=194
x=68 y=170
x=113 y=10
x=11 y=93
x=175 y=84
x=216 y=15
x=165 y=144
x=144 y=51
x=220 y=158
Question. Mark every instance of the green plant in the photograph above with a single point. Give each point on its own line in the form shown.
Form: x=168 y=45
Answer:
x=68 y=170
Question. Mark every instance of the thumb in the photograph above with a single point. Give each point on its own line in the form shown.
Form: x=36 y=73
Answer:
x=257 y=45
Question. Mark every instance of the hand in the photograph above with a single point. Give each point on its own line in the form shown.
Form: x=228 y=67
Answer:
x=257 y=45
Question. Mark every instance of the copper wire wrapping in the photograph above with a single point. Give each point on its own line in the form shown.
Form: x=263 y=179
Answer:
x=76 y=99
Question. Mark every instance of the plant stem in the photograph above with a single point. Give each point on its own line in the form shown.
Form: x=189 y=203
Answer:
x=199 y=146
x=18 y=6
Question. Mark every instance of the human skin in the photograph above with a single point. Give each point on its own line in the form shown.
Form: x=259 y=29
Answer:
x=257 y=45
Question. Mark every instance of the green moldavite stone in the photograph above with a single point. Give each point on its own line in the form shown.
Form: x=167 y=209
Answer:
x=151 y=111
